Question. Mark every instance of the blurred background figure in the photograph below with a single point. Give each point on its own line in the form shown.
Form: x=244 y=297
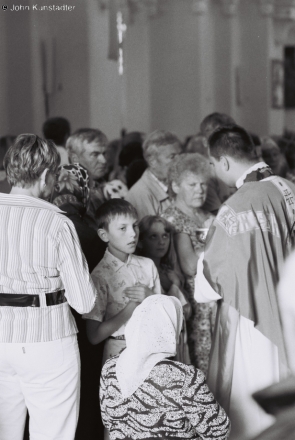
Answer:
x=149 y=194
x=134 y=171
x=197 y=144
x=213 y=121
x=272 y=155
x=58 y=130
x=130 y=151
x=122 y=154
x=290 y=157
x=112 y=156
x=5 y=142
x=257 y=142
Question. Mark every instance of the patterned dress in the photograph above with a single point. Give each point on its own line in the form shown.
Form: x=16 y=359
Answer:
x=174 y=402
x=200 y=324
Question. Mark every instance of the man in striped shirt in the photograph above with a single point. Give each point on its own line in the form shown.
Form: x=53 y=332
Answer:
x=42 y=273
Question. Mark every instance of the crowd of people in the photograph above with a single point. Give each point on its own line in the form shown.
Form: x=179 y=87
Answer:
x=143 y=286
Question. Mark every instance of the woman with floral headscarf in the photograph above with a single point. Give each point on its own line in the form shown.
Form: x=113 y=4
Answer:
x=71 y=195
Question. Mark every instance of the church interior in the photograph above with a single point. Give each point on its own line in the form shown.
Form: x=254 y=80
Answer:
x=96 y=71
x=148 y=64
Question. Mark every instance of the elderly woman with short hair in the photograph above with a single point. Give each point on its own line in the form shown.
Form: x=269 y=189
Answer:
x=187 y=179
x=42 y=273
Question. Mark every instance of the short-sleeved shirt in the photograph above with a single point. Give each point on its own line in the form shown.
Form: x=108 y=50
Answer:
x=40 y=253
x=111 y=277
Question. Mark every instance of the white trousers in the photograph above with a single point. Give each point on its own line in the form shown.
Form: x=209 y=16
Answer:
x=44 y=378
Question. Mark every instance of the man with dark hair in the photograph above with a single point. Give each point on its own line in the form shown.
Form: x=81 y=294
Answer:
x=219 y=191
x=88 y=147
x=246 y=246
x=58 y=130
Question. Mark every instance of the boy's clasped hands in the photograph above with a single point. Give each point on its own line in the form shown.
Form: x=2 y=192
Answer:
x=138 y=293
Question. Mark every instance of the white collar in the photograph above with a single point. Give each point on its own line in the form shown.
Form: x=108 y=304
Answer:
x=254 y=167
x=161 y=184
x=116 y=263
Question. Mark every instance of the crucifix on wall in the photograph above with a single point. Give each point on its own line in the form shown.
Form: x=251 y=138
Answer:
x=48 y=72
x=117 y=30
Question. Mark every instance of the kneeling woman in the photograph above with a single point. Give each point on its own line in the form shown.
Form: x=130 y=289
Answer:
x=144 y=394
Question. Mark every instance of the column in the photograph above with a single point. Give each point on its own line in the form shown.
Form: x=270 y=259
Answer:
x=227 y=58
x=256 y=29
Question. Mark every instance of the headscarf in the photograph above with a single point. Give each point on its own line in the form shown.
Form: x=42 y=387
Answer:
x=151 y=336
x=72 y=188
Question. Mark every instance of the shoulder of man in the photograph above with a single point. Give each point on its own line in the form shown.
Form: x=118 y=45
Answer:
x=138 y=187
x=253 y=193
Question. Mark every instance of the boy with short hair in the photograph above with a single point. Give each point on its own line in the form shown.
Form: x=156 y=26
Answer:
x=122 y=280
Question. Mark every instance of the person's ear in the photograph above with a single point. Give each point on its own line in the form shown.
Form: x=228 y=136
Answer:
x=175 y=187
x=103 y=235
x=225 y=163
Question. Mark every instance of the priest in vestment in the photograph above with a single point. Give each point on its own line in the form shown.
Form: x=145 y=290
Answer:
x=245 y=249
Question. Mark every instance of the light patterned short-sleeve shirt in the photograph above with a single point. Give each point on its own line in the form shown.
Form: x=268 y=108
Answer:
x=111 y=277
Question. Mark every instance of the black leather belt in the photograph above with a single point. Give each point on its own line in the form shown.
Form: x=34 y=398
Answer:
x=24 y=300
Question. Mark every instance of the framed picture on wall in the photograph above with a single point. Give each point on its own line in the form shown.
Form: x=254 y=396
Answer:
x=290 y=77
x=277 y=84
